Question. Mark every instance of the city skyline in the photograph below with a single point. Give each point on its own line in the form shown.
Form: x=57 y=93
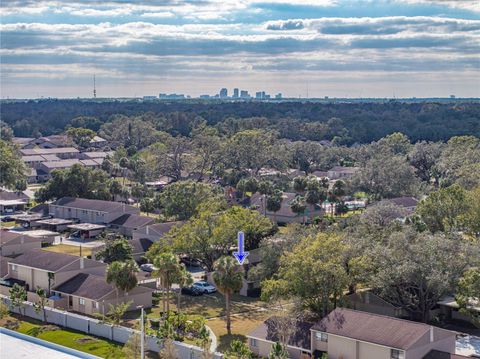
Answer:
x=301 y=48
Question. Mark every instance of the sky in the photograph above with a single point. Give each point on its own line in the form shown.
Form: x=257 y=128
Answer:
x=315 y=48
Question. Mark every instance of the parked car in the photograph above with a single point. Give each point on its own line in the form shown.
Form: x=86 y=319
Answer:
x=7 y=219
x=205 y=287
x=191 y=262
x=194 y=291
x=147 y=267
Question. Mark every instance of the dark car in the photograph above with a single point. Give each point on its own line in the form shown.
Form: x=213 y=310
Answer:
x=192 y=291
x=191 y=262
x=7 y=219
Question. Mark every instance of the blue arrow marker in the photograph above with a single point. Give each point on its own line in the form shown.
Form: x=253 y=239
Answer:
x=241 y=254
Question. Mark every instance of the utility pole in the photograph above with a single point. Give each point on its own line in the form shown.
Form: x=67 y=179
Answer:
x=142 y=334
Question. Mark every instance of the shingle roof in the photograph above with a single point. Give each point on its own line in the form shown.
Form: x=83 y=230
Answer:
x=91 y=204
x=10 y=196
x=140 y=245
x=47 y=151
x=86 y=286
x=372 y=328
x=61 y=163
x=299 y=338
x=45 y=260
x=7 y=237
x=3 y=266
x=405 y=201
x=129 y=220
x=162 y=228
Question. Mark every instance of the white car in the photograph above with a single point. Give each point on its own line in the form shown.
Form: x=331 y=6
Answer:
x=205 y=287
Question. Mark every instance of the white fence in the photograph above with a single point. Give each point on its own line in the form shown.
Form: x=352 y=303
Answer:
x=97 y=328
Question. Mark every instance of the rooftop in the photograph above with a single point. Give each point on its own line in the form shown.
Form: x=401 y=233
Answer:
x=299 y=338
x=47 y=151
x=372 y=328
x=132 y=221
x=44 y=260
x=404 y=201
x=140 y=245
x=86 y=286
x=92 y=204
x=86 y=226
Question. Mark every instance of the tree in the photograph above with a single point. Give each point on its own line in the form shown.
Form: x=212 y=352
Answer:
x=184 y=279
x=468 y=294
x=471 y=218
x=116 y=312
x=313 y=273
x=298 y=206
x=168 y=269
x=12 y=168
x=6 y=132
x=443 y=210
x=213 y=232
x=147 y=205
x=117 y=249
x=207 y=146
x=386 y=176
x=382 y=214
x=274 y=203
x=300 y=184
x=239 y=350
x=18 y=296
x=415 y=270
x=122 y=276
x=81 y=136
x=39 y=305
x=3 y=310
x=78 y=181
x=181 y=199
x=228 y=278
x=133 y=346
x=168 y=351
x=423 y=157
x=278 y=351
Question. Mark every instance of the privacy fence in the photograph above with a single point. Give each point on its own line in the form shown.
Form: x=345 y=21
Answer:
x=100 y=329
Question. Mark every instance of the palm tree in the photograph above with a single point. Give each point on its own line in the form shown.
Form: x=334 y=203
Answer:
x=274 y=203
x=122 y=276
x=298 y=206
x=168 y=269
x=183 y=280
x=228 y=278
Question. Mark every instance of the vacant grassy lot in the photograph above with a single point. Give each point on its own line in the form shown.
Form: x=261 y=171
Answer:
x=69 y=338
x=7 y=224
x=69 y=249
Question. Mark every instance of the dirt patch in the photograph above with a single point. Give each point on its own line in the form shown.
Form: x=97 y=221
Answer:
x=86 y=340
x=49 y=328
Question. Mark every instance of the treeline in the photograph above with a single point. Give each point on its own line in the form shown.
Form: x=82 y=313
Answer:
x=359 y=122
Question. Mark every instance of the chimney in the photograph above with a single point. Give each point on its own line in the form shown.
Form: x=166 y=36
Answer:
x=82 y=264
x=147 y=229
x=431 y=335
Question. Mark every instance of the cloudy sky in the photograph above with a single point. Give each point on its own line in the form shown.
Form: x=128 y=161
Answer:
x=337 y=48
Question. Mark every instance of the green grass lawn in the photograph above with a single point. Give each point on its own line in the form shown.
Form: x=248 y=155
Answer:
x=66 y=337
x=242 y=324
x=69 y=249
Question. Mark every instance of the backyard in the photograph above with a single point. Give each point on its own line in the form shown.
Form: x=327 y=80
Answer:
x=66 y=337
x=69 y=249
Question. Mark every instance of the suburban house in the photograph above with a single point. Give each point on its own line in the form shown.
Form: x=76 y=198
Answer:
x=11 y=202
x=72 y=283
x=98 y=142
x=408 y=203
x=90 y=293
x=129 y=222
x=89 y=210
x=21 y=142
x=340 y=172
x=13 y=244
x=53 y=141
x=155 y=231
x=351 y=334
x=449 y=309
x=285 y=214
x=3 y=266
x=262 y=337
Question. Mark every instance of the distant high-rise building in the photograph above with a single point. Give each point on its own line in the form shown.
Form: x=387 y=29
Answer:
x=244 y=94
x=235 y=93
x=223 y=93
x=452 y=96
x=258 y=95
x=278 y=96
